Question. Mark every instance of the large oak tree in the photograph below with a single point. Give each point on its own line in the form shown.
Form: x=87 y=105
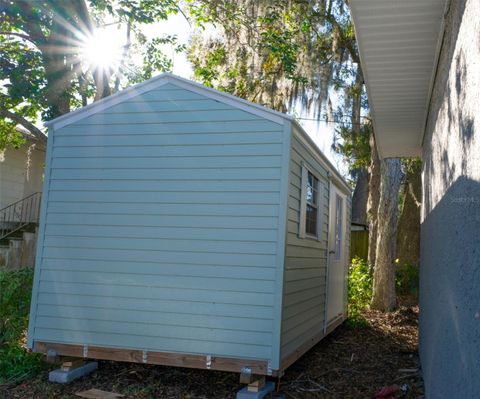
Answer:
x=42 y=71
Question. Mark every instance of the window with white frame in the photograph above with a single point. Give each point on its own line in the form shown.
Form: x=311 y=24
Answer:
x=338 y=227
x=309 y=205
x=311 y=214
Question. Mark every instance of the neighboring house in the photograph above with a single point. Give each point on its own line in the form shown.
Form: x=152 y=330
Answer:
x=21 y=170
x=21 y=180
x=421 y=60
x=184 y=226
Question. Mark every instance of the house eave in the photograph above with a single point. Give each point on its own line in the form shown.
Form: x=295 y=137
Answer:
x=399 y=45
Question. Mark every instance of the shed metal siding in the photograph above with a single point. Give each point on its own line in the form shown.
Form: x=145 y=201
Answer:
x=161 y=228
x=305 y=261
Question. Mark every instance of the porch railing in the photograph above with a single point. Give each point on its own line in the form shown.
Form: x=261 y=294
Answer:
x=20 y=214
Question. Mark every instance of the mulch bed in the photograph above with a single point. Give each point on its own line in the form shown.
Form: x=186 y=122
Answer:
x=350 y=363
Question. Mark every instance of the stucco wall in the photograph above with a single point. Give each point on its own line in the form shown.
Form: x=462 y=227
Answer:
x=450 y=237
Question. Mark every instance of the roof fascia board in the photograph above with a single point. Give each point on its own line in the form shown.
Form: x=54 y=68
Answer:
x=321 y=158
x=433 y=77
x=157 y=82
x=107 y=102
x=101 y=105
x=229 y=99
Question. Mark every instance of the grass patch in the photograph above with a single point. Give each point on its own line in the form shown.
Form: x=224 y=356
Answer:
x=16 y=362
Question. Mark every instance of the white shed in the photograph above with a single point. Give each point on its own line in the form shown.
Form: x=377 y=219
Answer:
x=184 y=226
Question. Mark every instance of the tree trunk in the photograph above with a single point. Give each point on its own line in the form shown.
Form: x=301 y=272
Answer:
x=408 y=237
x=360 y=194
x=360 y=198
x=59 y=55
x=101 y=77
x=384 y=297
x=373 y=200
x=58 y=73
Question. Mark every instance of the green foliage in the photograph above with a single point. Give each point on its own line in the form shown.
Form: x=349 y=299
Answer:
x=281 y=50
x=9 y=136
x=206 y=71
x=280 y=43
x=15 y=287
x=144 y=11
x=22 y=78
x=407 y=276
x=16 y=363
x=360 y=288
x=42 y=72
x=257 y=56
x=411 y=165
x=360 y=285
x=287 y=54
x=354 y=147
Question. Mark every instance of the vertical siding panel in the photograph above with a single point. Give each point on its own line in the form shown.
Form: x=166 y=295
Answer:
x=281 y=247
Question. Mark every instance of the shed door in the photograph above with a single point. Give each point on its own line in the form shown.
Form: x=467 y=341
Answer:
x=337 y=255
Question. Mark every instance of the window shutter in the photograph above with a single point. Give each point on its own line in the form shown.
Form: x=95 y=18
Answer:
x=303 y=202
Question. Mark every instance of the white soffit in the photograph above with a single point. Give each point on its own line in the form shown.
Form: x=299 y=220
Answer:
x=398 y=42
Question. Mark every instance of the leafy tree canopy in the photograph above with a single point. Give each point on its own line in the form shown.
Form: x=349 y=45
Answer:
x=42 y=70
x=284 y=54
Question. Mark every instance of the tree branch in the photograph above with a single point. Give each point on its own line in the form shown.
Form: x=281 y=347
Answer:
x=21 y=35
x=184 y=16
x=26 y=124
x=31 y=25
x=348 y=44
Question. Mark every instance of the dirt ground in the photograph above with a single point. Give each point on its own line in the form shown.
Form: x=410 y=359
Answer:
x=350 y=363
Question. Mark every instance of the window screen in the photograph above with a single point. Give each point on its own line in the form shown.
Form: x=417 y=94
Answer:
x=311 y=214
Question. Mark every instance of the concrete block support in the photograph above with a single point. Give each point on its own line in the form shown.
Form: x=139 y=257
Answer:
x=64 y=377
x=244 y=393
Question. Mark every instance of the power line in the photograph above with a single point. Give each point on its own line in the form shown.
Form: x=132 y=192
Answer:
x=332 y=121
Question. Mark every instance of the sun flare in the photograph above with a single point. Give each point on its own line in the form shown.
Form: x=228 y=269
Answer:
x=103 y=49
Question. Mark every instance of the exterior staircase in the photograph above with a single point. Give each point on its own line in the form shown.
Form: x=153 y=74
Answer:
x=18 y=232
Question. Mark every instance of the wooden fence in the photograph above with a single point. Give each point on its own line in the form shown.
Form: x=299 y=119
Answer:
x=359 y=244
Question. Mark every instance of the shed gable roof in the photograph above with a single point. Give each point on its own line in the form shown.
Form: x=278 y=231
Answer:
x=157 y=82
x=167 y=78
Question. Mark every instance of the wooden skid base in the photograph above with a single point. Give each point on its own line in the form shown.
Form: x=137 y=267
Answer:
x=259 y=367
x=159 y=358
